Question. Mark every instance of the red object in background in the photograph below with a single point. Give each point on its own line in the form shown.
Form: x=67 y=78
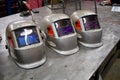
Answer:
x=32 y=4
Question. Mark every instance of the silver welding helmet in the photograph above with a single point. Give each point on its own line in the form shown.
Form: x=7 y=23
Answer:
x=88 y=28
x=60 y=34
x=25 y=44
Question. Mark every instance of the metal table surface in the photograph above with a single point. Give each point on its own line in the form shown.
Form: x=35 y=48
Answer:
x=79 y=66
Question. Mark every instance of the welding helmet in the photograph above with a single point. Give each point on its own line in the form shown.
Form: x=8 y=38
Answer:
x=88 y=28
x=25 y=44
x=60 y=34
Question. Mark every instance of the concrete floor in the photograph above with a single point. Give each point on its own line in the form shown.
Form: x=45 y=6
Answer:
x=114 y=73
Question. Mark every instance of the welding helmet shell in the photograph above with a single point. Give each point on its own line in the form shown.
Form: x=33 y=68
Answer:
x=88 y=28
x=25 y=44
x=60 y=34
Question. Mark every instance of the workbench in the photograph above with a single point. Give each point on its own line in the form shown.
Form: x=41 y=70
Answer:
x=79 y=66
